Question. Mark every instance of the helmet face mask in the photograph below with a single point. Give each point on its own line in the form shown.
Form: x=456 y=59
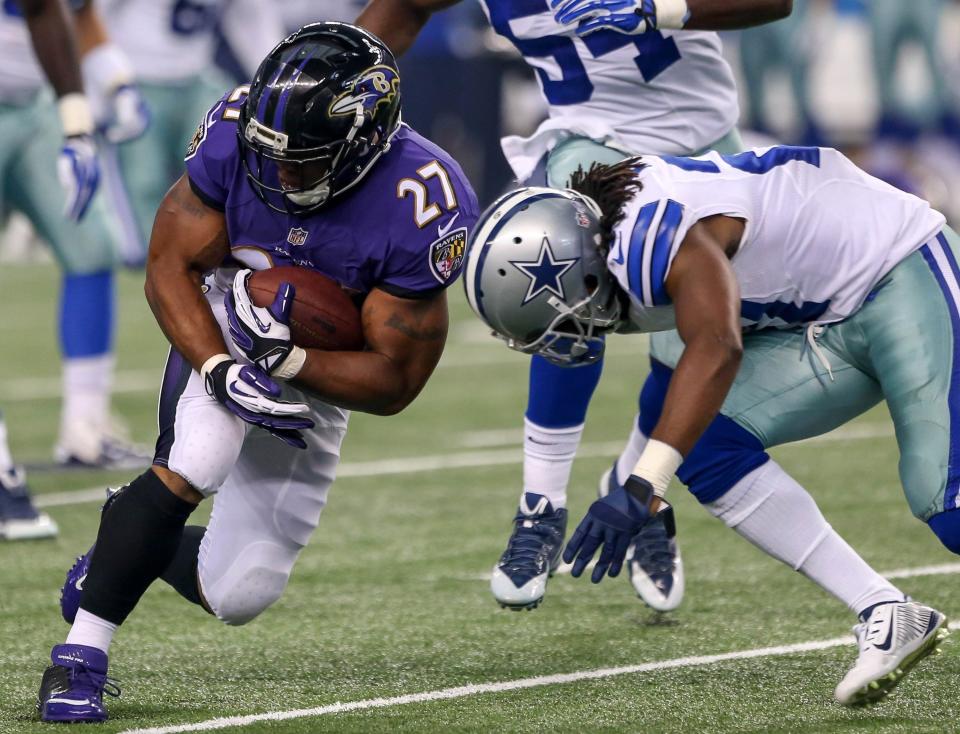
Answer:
x=321 y=110
x=536 y=274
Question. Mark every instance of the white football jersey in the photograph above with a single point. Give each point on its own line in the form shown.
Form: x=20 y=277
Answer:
x=664 y=92
x=20 y=72
x=172 y=40
x=820 y=233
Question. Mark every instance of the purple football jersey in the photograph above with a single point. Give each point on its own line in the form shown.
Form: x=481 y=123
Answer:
x=403 y=228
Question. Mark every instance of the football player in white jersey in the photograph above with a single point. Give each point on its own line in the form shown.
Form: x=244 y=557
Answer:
x=619 y=77
x=171 y=46
x=805 y=292
x=85 y=241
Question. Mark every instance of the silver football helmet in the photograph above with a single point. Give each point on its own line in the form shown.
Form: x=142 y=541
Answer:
x=535 y=273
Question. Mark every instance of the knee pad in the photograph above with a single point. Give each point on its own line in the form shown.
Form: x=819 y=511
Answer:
x=725 y=453
x=254 y=581
x=946 y=526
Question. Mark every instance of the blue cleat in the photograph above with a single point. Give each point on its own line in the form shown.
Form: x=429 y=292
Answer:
x=653 y=558
x=73 y=686
x=519 y=579
x=19 y=519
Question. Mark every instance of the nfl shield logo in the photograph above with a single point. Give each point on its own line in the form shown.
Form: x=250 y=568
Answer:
x=297 y=236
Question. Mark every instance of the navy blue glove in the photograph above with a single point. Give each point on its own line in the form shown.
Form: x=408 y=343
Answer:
x=610 y=522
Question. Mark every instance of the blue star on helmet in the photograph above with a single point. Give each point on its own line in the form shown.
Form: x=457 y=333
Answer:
x=545 y=273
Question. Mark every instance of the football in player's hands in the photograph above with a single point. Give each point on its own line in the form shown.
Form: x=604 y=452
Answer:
x=322 y=317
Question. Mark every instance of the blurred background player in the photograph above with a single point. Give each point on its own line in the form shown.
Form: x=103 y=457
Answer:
x=29 y=153
x=618 y=78
x=779 y=48
x=171 y=46
x=76 y=223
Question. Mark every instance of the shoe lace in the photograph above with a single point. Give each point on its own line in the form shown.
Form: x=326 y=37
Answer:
x=530 y=537
x=84 y=677
x=653 y=549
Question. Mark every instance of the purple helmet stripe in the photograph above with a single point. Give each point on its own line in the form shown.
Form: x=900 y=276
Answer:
x=288 y=86
x=269 y=87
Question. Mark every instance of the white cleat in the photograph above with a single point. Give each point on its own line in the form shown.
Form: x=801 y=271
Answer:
x=84 y=445
x=894 y=638
x=653 y=557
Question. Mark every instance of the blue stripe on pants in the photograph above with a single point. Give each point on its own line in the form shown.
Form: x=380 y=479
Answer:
x=944 y=279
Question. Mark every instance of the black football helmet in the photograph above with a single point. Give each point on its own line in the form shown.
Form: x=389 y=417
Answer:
x=322 y=108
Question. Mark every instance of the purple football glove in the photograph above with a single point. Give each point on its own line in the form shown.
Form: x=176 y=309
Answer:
x=263 y=334
x=249 y=393
x=610 y=522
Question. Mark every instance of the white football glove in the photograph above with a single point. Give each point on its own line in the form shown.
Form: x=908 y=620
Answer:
x=263 y=333
x=79 y=172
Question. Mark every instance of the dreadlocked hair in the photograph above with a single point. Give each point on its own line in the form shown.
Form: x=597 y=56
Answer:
x=611 y=187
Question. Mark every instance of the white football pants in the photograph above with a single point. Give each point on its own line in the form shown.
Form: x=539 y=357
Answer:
x=267 y=496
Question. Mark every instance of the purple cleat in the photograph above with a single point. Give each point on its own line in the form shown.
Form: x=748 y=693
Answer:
x=73 y=686
x=72 y=590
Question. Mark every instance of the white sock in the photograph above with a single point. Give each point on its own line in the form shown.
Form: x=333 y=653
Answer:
x=89 y=629
x=772 y=511
x=86 y=395
x=548 y=455
x=631 y=452
x=6 y=459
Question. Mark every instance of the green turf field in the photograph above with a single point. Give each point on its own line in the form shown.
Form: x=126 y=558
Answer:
x=390 y=598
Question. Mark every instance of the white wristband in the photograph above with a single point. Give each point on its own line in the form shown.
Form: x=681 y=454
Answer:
x=75 y=115
x=291 y=366
x=657 y=464
x=211 y=363
x=672 y=14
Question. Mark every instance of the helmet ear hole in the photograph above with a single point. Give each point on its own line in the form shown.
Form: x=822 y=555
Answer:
x=501 y=272
x=517 y=240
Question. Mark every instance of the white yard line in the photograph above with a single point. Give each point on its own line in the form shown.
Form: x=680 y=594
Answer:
x=499 y=687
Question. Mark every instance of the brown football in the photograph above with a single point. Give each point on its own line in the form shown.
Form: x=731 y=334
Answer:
x=322 y=317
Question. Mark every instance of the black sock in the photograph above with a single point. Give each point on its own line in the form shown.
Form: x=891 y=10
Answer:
x=139 y=535
x=181 y=574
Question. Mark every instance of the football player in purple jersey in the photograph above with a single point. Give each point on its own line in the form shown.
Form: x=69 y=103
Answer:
x=285 y=171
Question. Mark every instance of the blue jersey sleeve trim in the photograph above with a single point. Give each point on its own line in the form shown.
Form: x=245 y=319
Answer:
x=635 y=256
x=662 y=248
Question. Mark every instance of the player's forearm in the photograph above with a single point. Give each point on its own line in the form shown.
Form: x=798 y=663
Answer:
x=51 y=31
x=174 y=295
x=697 y=390
x=722 y=15
x=91 y=32
x=396 y=22
x=366 y=381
